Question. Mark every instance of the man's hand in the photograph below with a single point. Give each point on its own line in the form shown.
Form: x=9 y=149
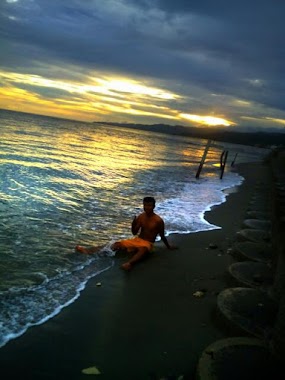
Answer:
x=135 y=226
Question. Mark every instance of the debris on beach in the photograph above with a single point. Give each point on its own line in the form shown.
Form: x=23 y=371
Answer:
x=91 y=371
x=199 y=294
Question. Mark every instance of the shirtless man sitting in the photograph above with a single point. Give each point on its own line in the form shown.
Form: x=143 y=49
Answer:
x=148 y=225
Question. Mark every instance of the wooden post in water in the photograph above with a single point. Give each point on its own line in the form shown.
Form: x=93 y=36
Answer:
x=203 y=159
x=233 y=162
x=224 y=157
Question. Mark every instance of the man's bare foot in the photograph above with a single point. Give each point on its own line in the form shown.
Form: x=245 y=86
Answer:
x=126 y=266
x=81 y=249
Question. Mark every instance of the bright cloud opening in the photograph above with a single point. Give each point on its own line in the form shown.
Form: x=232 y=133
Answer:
x=206 y=120
x=102 y=86
x=280 y=121
x=104 y=94
x=129 y=86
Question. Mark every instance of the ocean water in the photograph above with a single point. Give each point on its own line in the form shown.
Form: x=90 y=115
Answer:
x=66 y=182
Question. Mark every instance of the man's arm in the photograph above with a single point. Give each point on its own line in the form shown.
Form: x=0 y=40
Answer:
x=163 y=237
x=165 y=241
x=135 y=225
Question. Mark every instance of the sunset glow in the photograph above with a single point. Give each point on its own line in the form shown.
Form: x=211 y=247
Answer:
x=103 y=97
x=207 y=120
x=100 y=86
x=280 y=121
x=100 y=96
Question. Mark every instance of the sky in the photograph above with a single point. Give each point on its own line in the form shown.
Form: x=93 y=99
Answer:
x=177 y=62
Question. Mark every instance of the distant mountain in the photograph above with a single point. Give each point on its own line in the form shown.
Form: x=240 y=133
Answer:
x=263 y=139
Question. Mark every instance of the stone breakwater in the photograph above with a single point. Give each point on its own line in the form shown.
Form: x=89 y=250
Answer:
x=253 y=312
x=277 y=163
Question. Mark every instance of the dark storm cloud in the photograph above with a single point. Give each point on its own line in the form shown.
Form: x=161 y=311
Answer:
x=230 y=48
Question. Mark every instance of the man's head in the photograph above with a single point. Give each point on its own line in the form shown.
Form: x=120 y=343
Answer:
x=148 y=204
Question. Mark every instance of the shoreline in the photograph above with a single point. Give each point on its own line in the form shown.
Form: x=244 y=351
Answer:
x=225 y=191
x=147 y=322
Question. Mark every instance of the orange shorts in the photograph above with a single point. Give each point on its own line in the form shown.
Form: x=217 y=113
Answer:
x=136 y=242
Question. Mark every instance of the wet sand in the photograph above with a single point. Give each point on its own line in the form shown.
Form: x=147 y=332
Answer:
x=145 y=324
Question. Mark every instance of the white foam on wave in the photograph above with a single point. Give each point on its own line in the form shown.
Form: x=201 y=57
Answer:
x=185 y=212
x=24 y=308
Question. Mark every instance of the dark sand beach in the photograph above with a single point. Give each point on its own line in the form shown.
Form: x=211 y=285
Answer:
x=145 y=324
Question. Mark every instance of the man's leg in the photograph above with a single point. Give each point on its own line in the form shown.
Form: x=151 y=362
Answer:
x=88 y=251
x=139 y=255
x=117 y=246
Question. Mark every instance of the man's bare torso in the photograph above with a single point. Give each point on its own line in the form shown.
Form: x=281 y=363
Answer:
x=150 y=226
